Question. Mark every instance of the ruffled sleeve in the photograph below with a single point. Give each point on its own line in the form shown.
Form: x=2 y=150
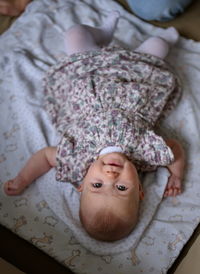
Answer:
x=73 y=159
x=151 y=152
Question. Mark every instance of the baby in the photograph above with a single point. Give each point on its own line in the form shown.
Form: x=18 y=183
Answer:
x=105 y=102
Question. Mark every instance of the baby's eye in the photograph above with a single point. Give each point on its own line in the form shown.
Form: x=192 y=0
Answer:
x=121 y=187
x=97 y=185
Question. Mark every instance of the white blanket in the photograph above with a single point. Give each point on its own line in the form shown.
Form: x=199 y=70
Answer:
x=33 y=43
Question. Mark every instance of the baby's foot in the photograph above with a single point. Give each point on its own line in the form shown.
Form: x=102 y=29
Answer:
x=170 y=35
x=173 y=187
x=15 y=186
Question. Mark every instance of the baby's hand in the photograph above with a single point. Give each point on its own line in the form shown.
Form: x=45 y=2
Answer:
x=173 y=187
x=177 y=168
x=15 y=186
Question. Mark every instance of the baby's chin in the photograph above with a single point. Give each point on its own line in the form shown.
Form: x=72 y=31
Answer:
x=113 y=154
x=114 y=157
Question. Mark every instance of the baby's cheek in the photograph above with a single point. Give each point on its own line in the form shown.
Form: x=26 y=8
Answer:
x=132 y=171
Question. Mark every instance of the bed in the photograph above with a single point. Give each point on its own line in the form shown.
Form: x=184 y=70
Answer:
x=33 y=43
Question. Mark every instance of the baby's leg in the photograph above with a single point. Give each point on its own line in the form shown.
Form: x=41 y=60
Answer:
x=159 y=46
x=81 y=38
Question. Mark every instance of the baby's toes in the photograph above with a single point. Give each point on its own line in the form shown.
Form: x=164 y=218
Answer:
x=7 y=187
x=10 y=188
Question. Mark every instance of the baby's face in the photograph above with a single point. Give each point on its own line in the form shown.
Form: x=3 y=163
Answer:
x=111 y=181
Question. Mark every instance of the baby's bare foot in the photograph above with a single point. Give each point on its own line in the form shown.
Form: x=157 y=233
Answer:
x=173 y=187
x=15 y=186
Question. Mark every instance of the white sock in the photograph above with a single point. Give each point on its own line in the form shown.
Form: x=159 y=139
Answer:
x=81 y=38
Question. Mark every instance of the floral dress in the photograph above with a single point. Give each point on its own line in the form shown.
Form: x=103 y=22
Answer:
x=109 y=97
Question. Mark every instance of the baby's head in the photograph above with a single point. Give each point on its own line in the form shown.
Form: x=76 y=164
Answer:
x=110 y=197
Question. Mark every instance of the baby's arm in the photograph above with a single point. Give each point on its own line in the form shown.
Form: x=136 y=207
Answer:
x=176 y=169
x=41 y=162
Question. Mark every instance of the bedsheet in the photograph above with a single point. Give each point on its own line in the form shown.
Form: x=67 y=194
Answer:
x=33 y=43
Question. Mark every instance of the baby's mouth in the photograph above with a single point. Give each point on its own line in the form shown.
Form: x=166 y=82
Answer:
x=115 y=164
x=114 y=160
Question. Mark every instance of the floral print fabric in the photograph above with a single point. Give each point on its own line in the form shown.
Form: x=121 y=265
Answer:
x=109 y=97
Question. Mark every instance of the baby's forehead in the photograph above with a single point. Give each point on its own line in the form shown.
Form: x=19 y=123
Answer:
x=108 y=200
x=119 y=207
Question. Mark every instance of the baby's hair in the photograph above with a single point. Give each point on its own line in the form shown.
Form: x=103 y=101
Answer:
x=105 y=225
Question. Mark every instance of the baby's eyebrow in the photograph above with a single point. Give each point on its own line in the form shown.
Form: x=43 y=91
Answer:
x=94 y=180
x=124 y=183
x=121 y=183
x=100 y=192
x=96 y=191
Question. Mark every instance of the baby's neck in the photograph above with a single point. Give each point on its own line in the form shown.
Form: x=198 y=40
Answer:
x=110 y=149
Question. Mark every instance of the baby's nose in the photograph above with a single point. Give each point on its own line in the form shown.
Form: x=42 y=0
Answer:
x=112 y=174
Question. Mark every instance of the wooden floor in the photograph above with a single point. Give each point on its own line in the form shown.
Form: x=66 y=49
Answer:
x=191 y=262
x=6 y=268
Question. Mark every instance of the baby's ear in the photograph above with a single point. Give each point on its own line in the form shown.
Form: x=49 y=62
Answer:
x=80 y=188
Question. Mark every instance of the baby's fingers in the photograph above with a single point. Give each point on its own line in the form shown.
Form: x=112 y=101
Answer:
x=173 y=187
x=168 y=192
